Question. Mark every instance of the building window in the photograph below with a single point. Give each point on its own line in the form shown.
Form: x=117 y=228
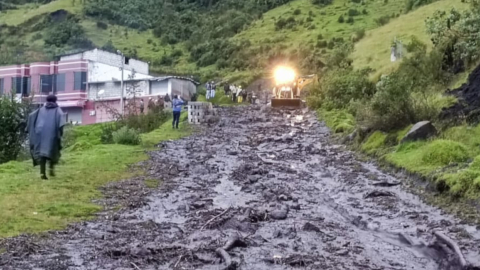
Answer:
x=21 y=85
x=80 y=81
x=17 y=85
x=1 y=87
x=59 y=82
x=46 y=82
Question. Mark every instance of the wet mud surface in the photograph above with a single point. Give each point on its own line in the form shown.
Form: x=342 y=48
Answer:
x=259 y=190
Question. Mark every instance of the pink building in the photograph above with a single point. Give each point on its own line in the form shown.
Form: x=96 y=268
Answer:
x=86 y=82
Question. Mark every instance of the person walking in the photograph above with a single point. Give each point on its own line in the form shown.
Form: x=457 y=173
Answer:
x=177 y=104
x=142 y=106
x=45 y=130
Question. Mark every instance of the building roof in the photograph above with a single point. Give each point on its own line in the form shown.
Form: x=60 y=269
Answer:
x=156 y=79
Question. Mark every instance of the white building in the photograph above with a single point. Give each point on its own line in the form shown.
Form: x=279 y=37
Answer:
x=104 y=76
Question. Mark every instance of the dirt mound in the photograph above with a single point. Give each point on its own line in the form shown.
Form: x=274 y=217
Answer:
x=468 y=105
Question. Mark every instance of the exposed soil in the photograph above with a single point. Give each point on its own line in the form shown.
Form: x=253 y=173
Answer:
x=468 y=105
x=260 y=190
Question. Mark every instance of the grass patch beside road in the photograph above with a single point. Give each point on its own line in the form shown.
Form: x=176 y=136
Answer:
x=446 y=159
x=30 y=205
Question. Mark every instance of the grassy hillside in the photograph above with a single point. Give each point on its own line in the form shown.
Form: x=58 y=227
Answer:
x=374 y=50
x=298 y=31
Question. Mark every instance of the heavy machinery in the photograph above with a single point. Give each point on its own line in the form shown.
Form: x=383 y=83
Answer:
x=288 y=87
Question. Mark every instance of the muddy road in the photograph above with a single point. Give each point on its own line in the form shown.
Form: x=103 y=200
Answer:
x=259 y=190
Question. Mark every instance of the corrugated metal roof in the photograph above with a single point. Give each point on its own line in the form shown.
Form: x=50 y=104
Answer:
x=157 y=79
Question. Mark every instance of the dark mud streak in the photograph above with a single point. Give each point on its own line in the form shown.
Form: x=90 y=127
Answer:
x=295 y=200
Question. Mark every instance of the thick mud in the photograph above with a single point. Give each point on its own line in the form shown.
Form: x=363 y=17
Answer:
x=260 y=190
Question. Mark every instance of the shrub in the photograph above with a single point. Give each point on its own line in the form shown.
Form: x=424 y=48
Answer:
x=297 y=12
x=341 y=19
x=102 y=25
x=382 y=20
x=364 y=11
x=322 y=2
x=126 y=136
x=177 y=53
x=149 y=41
x=322 y=44
x=350 y=20
x=358 y=35
x=12 y=137
x=353 y=12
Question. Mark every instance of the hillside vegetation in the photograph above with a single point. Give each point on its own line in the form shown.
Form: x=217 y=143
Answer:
x=240 y=40
x=373 y=51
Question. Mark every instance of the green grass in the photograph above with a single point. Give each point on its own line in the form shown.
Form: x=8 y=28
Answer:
x=374 y=50
x=126 y=39
x=374 y=143
x=26 y=12
x=325 y=20
x=339 y=121
x=166 y=132
x=30 y=205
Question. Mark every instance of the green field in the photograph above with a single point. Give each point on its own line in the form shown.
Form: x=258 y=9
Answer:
x=31 y=205
x=374 y=50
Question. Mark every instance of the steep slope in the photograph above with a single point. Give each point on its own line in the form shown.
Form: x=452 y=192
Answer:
x=374 y=50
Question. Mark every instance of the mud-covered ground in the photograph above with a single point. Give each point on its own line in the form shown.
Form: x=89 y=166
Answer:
x=260 y=190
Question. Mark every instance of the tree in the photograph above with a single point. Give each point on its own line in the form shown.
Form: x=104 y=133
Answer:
x=12 y=126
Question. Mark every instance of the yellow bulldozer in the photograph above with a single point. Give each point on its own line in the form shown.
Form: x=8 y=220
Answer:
x=288 y=87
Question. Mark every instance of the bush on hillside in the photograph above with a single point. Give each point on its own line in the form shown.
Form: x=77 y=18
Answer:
x=350 y=20
x=12 y=126
x=62 y=33
x=341 y=19
x=322 y=2
x=382 y=20
x=353 y=12
x=413 y=4
x=126 y=136
x=102 y=25
x=455 y=34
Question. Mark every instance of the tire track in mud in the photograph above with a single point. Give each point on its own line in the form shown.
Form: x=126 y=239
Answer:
x=264 y=190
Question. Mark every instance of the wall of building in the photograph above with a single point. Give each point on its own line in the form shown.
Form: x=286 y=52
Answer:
x=159 y=88
x=112 y=89
x=111 y=59
x=183 y=88
x=74 y=115
x=99 y=72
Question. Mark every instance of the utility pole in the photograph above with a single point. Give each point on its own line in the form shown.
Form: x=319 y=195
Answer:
x=122 y=107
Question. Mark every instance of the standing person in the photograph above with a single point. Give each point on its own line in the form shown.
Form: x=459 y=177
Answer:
x=226 y=89
x=239 y=94
x=177 y=104
x=213 y=88
x=233 y=90
x=151 y=104
x=45 y=129
x=244 y=95
x=167 y=101
x=142 y=106
x=208 y=86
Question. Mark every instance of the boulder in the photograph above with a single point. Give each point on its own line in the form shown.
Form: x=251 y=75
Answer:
x=420 y=131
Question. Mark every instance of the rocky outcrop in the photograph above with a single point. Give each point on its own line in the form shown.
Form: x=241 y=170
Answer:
x=420 y=131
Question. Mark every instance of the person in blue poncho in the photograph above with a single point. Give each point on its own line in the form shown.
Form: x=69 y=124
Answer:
x=177 y=104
